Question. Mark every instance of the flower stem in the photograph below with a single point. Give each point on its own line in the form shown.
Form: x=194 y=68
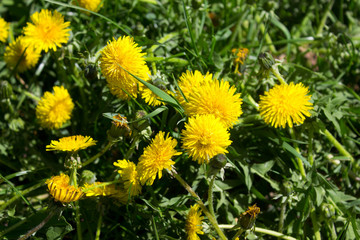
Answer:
x=200 y=202
x=300 y=163
x=310 y=147
x=338 y=145
x=262 y=230
x=210 y=196
x=238 y=233
x=98 y=228
x=77 y=219
x=277 y=74
x=99 y=154
x=282 y=214
x=315 y=225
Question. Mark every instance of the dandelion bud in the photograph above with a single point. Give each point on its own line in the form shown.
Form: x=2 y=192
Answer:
x=119 y=128
x=286 y=188
x=88 y=176
x=247 y=219
x=328 y=210
x=90 y=72
x=266 y=60
x=216 y=164
x=6 y=90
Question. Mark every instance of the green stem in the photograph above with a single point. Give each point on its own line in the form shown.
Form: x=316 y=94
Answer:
x=98 y=228
x=77 y=219
x=315 y=225
x=210 y=196
x=282 y=215
x=153 y=63
x=332 y=230
x=323 y=19
x=277 y=74
x=253 y=102
x=31 y=95
x=99 y=154
x=338 y=145
x=310 y=147
x=262 y=230
x=200 y=202
x=299 y=162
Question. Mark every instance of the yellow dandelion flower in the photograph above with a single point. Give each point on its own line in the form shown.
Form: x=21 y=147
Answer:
x=118 y=55
x=156 y=157
x=60 y=189
x=97 y=189
x=285 y=104
x=4 y=30
x=193 y=224
x=71 y=144
x=92 y=5
x=20 y=54
x=149 y=96
x=217 y=98
x=204 y=137
x=190 y=81
x=47 y=31
x=240 y=56
x=53 y=110
x=130 y=176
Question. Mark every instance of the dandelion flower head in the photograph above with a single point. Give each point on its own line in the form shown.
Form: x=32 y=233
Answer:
x=92 y=5
x=98 y=189
x=20 y=54
x=190 y=81
x=156 y=157
x=47 y=30
x=118 y=55
x=217 y=98
x=53 y=110
x=240 y=56
x=129 y=175
x=4 y=30
x=204 y=137
x=60 y=188
x=71 y=144
x=149 y=96
x=285 y=105
x=193 y=225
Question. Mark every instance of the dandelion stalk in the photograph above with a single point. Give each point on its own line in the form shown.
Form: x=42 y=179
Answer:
x=201 y=204
x=98 y=228
x=282 y=214
x=262 y=230
x=337 y=145
x=210 y=196
x=315 y=225
x=99 y=154
x=274 y=69
x=300 y=163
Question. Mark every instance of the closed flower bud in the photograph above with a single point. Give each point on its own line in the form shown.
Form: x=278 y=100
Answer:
x=266 y=60
x=6 y=90
x=119 y=128
x=216 y=164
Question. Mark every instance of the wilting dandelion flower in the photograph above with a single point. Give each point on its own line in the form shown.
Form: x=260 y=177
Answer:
x=47 y=30
x=4 y=30
x=156 y=157
x=71 y=144
x=217 y=98
x=130 y=176
x=118 y=55
x=193 y=225
x=97 y=189
x=53 y=110
x=190 y=81
x=60 y=188
x=240 y=56
x=20 y=54
x=285 y=104
x=92 y=5
x=204 y=137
